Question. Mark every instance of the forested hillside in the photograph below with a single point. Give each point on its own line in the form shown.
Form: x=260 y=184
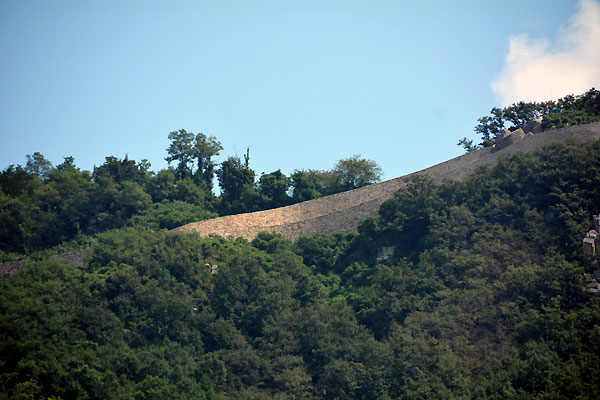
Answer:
x=42 y=206
x=485 y=296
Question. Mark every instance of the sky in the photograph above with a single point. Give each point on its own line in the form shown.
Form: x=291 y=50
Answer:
x=301 y=83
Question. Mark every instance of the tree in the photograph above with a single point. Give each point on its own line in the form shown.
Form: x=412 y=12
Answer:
x=520 y=113
x=490 y=127
x=234 y=178
x=187 y=191
x=347 y=174
x=122 y=170
x=355 y=172
x=73 y=209
x=467 y=144
x=162 y=186
x=204 y=149
x=589 y=102
x=273 y=188
x=38 y=165
x=181 y=149
x=66 y=165
x=573 y=110
x=303 y=186
x=131 y=199
x=187 y=148
x=15 y=180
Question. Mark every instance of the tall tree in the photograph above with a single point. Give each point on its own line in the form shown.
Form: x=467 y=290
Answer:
x=188 y=148
x=38 y=165
x=66 y=165
x=490 y=127
x=234 y=179
x=181 y=150
x=205 y=148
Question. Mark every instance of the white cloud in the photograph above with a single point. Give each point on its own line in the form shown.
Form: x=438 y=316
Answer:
x=536 y=70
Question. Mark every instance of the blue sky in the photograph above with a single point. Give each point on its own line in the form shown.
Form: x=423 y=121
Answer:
x=302 y=83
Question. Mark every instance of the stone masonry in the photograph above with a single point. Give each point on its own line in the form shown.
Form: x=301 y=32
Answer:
x=76 y=258
x=343 y=212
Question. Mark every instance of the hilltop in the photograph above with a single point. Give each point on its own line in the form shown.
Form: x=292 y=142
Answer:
x=468 y=279
x=343 y=212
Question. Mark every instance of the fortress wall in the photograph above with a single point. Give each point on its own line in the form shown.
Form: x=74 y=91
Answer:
x=340 y=221
x=342 y=212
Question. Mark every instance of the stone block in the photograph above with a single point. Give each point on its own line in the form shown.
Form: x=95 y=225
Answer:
x=386 y=253
x=534 y=126
x=511 y=138
x=589 y=247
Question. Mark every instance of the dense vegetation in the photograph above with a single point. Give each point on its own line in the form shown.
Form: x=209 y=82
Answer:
x=42 y=206
x=485 y=297
x=568 y=111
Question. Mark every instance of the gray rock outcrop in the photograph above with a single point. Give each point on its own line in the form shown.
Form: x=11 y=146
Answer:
x=510 y=139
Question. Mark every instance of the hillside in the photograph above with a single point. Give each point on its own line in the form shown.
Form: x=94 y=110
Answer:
x=484 y=296
x=343 y=212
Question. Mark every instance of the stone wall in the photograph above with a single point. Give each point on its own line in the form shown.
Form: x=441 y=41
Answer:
x=76 y=258
x=342 y=212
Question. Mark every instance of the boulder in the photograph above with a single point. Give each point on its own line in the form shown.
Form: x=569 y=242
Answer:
x=510 y=138
x=534 y=126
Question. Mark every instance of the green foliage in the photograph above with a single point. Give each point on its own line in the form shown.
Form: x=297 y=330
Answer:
x=467 y=144
x=188 y=148
x=170 y=215
x=355 y=172
x=305 y=185
x=569 y=118
x=273 y=188
x=41 y=206
x=490 y=127
x=37 y=214
x=162 y=185
x=568 y=111
x=120 y=171
x=15 y=181
x=347 y=174
x=484 y=297
x=237 y=186
x=38 y=165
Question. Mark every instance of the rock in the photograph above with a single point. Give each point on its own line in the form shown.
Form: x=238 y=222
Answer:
x=534 y=126
x=10 y=268
x=589 y=247
x=386 y=253
x=511 y=138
